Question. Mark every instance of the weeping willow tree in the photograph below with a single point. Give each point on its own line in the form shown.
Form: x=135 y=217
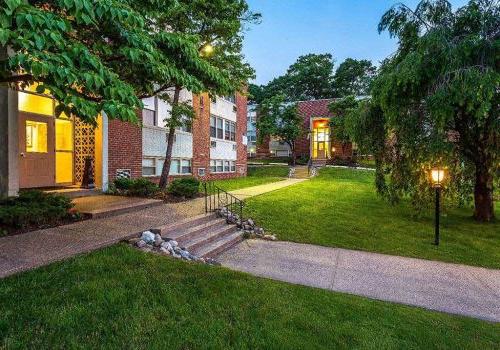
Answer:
x=438 y=98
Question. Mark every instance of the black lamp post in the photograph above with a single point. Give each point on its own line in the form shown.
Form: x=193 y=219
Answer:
x=437 y=177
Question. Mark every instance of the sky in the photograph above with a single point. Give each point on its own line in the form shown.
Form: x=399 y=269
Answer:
x=291 y=28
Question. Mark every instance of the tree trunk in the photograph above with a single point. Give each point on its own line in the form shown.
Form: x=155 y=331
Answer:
x=483 y=194
x=170 y=145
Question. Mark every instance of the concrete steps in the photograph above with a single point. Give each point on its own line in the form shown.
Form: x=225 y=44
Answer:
x=301 y=172
x=204 y=235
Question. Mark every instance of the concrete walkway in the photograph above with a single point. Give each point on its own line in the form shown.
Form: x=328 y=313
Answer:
x=451 y=288
x=261 y=189
x=38 y=248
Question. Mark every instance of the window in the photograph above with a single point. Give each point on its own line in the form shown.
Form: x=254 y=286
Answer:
x=35 y=103
x=213 y=129
x=36 y=137
x=148 y=167
x=149 y=117
x=175 y=166
x=230 y=130
x=222 y=166
x=220 y=128
x=213 y=144
x=230 y=98
x=186 y=166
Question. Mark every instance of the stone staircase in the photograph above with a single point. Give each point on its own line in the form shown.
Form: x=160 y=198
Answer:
x=204 y=236
x=319 y=163
x=301 y=172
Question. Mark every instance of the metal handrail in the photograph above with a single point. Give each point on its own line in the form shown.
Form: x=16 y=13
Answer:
x=216 y=198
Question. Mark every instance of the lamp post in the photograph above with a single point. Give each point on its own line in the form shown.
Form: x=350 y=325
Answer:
x=437 y=177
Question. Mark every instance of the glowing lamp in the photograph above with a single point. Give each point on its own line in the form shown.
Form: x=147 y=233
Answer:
x=437 y=176
x=333 y=149
x=207 y=50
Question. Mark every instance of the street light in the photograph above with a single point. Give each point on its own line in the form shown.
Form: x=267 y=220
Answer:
x=207 y=50
x=437 y=177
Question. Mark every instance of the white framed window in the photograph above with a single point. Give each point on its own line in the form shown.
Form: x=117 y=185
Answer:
x=213 y=127
x=175 y=166
x=220 y=128
x=222 y=166
x=223 y=129
x=186 y=166
x=148 y=167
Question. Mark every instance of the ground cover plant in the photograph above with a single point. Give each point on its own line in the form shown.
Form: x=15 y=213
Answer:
x=120 y=297
x=35 y=209
x=340 y=208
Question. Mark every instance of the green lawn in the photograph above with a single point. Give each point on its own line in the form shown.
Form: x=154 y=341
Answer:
x=340 y=208
x=122 y=298
x=256 y=176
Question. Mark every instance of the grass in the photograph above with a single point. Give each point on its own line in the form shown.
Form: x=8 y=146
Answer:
x=340 y=208
x=256 y=176
x=121 y=298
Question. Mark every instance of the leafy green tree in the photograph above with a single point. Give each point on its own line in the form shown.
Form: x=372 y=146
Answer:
x=280 y=120
x=255 y=93
x=353 y=77
x=439 y=95
x=216 y=25
x=341 y=109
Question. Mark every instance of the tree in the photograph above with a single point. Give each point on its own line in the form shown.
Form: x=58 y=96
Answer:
x=215 y=23
x=340 y=110
x=353 y=77
x=255 y=93
x=281 y=120
x=439 y=94
x=95 y=56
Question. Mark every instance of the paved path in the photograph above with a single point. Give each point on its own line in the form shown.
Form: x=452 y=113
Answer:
x=451 y=288
x=261 y=189
x=38 y=248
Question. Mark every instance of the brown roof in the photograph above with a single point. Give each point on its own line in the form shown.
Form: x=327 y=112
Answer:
x=315 y=108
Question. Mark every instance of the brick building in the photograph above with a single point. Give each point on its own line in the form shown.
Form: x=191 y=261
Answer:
x=42 y=151
x=316 y=142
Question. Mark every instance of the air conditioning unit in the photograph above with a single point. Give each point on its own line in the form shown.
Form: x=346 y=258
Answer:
x=234 y=147
x=235 y=109
x=213 y=144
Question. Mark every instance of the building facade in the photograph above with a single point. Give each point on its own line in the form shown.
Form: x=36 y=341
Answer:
x=41 y=151
x=316 y=142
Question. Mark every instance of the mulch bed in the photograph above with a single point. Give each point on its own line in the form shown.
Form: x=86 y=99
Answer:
x=12 y=231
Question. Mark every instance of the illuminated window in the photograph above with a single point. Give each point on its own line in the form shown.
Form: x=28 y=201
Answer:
x=64 y=135
x=64 y=167
x=34 y=103
x=36 y=137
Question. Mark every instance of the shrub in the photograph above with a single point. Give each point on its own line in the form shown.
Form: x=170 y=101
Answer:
x=185 y=187
x=136 y=187
x=33 y=208
x=302 y=160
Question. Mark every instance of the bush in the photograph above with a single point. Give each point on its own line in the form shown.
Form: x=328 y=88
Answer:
x=33 y=208
x=302 y=160
x=136 y=187
x=185 y=187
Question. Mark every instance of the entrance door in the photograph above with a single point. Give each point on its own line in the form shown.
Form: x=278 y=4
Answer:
x=321 y=150
x=36 y=147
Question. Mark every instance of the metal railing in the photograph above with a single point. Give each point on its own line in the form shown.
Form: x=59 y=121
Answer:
x=223 y=203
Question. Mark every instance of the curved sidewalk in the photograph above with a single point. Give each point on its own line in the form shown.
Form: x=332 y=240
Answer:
x=457 y=289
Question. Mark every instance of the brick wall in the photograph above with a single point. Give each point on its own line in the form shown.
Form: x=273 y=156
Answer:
x=241 y=130
x=124 y=148
x=201 y=133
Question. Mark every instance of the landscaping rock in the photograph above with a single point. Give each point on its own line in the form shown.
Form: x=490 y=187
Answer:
x=158 y=240
x=173 y=243
x=148 y=237
x=134 y=241
x=250 y=222
x=140 y=243
x=164 y=251
x=269 y=237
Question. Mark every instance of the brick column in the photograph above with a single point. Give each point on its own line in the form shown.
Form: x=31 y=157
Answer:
x=125 y=147
x=201 y=133
x=241 y=130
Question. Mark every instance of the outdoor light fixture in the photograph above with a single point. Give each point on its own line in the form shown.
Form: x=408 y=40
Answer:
x=437 y=177
x=333 y=149
x=207 y=50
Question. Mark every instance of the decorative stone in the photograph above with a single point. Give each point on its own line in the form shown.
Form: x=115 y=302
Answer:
x=158 y=240
x=250 y=222
x=173 y=243
x=269 y=237
x=148 y=237
x=141 y=244
x=164 y=251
